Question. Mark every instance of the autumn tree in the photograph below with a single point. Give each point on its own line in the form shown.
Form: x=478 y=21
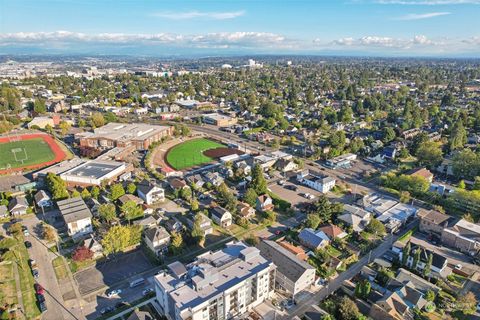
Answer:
x=97 y=119
x=82 y=253
x=176 y=244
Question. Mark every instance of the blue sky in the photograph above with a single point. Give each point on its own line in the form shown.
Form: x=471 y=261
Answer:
x=166 y=27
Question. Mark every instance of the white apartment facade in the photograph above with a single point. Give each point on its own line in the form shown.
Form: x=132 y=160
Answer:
x=316 y=181
x=217 y=286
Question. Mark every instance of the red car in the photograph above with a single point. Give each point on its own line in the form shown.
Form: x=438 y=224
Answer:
x=39 y=289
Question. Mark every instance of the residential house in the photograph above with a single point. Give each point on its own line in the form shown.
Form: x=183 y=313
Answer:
x=293 y=274
x=157 y=239
x=42 y=199
x=93 y=245
x=129 y=197
x=205 y=223
x=265 y=162
x=221 y=284
x=195 y=181
x=423 y=173
x=437 y=267
x=3 y=211
x=243 y=167
x=245 y=210
x=463 y=236
x=173 y=225
x=18 y=206
x=177 y=184
x=221 y=216
x=264 y=203
x=355 y=217
x=312 y=239
x=150 y=193
x=316 y=181
x=147 y=222
x=296 y=250
x=214 y=178
x=77 y=217
x=333 y=232
x=433 y=222
x=284 y=165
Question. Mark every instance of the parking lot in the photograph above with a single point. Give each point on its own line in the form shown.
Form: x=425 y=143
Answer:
x=112 y=271
x=294 y=197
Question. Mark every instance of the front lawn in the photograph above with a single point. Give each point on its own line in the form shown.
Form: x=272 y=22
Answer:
x=60 y=268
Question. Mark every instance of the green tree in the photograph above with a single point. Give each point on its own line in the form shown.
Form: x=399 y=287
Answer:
x=458 y=136
x=406 y=253
x=97 y=119
x=95 y=192
x=467 y=303
x=116 y=239
x=116 y=191
x=405 y=197
x=107 y=212
x=376 y=227
x=85 y=194
x=176 y=245
x=416 y=258
x=186 y=193
x=131 y=188
x=347 y=309
x=466 y=164
x=131 y=210
x=194 y=205
x=430 y=295
x=250 y=197
x=428 y=265
x=64 y=127
x=258 y=183
x=429 y=153
x=197 y=232
x=389 y=134
x=312 y=221
x=39 y=106
x=56 y=186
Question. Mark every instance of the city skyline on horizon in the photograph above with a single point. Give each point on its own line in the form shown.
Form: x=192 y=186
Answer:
x=390 y=28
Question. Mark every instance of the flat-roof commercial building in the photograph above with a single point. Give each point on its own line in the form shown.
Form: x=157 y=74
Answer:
x=217 y=285
x=93 y=172
x=114 y=135
x=219 y=120
x=343 y=161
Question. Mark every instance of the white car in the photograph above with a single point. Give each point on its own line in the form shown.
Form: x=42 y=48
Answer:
x=458 y=267
x=113 y=293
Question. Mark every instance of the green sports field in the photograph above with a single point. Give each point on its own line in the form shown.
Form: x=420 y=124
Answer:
x=24 y=153
x=190 y=153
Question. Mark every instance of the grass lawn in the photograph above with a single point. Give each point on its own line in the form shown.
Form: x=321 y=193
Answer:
x=190 y=153
x=18 y=254
x=60 y=268
x=8 y=288
x=333 y=251
x=31 y=151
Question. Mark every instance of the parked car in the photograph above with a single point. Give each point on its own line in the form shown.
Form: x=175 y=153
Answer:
x=147 y=291
x=281 y=182
x=112 y=293
x=107 y=310
x=35 y=273
x=28 y=244
x=26 y=233
x=40 y=298
x=38 y=288
x=458 y=267
x=291 y=187
x=42 y=306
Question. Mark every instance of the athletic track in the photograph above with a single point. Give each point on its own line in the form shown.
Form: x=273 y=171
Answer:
x=59 y=154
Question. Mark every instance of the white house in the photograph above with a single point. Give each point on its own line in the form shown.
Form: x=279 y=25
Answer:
x=77 y=217
x=157 y=239
x=316 y=181
x=221 y=216
x=42 y=199
x=150 y=193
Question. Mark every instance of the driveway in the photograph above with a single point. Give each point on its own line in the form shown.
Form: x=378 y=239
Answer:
x=57 y=307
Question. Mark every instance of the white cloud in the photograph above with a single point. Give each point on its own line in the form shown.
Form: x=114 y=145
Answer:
x=421 y=16
x=198 y=14
x=428 y=2
x=385 y=42
x=210 y=40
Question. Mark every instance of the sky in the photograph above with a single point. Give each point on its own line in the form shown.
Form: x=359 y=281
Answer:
x=438 y=28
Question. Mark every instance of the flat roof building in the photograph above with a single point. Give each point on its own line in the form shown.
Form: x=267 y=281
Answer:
x=218 y=285
x=93 y=172
x=219 y=120
x=113 y=135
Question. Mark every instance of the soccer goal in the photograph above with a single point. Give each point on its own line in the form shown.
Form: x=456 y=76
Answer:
x=19 y=155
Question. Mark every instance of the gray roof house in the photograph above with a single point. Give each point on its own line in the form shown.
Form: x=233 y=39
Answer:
x=42 y=199
x=157 y=239
x=77 y=217
x=293 y=274
x=18 y=206
x=221 y=216
x=3 y=211
x=313 y=239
